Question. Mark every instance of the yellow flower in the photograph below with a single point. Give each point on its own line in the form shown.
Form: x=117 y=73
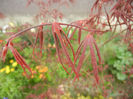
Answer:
x=7 y=69
x=110 y=98
x=7 y=66
x=12 y=69
x=11 y=61
x=45 y=69
x=54 y=46
x=14 y=64
x=2 y=70
x=11 y=24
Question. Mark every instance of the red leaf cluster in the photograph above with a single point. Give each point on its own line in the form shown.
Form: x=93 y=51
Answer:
x=46 y=9
x=121 y=13
x=61 y=38
x=17 y=56
x=39 y=36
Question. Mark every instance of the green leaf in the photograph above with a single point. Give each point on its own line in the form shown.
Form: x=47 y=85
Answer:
x=118 y=65
x=48 y=77
x=121 y=76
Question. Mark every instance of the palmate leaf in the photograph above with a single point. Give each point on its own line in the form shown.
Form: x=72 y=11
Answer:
x=56 y=29
x=121 y=13
x=81 y=58
x=39 y=36
x=17 y=56
x=89 y=41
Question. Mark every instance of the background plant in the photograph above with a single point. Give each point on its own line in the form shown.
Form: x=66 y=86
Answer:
x=85 y=34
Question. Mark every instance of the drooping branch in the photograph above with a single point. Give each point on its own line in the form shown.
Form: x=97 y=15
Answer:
x=60 y=37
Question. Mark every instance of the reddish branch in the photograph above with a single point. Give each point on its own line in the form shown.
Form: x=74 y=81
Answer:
x=60 y=37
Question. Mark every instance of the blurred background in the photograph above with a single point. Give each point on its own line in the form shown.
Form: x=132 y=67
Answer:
x=17 y=10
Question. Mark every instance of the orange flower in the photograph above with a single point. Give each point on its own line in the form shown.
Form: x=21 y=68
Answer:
x=41 y=76
x=38 y=67
x=45 y=69
x=24 y=74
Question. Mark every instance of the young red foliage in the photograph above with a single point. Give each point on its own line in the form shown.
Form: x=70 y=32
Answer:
x=60 y=37
x=40 y=36
x=17 y=56
x=89 y=41
x=121 y=13
x=46 y=9
x=57 y=33
x=4 y=52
